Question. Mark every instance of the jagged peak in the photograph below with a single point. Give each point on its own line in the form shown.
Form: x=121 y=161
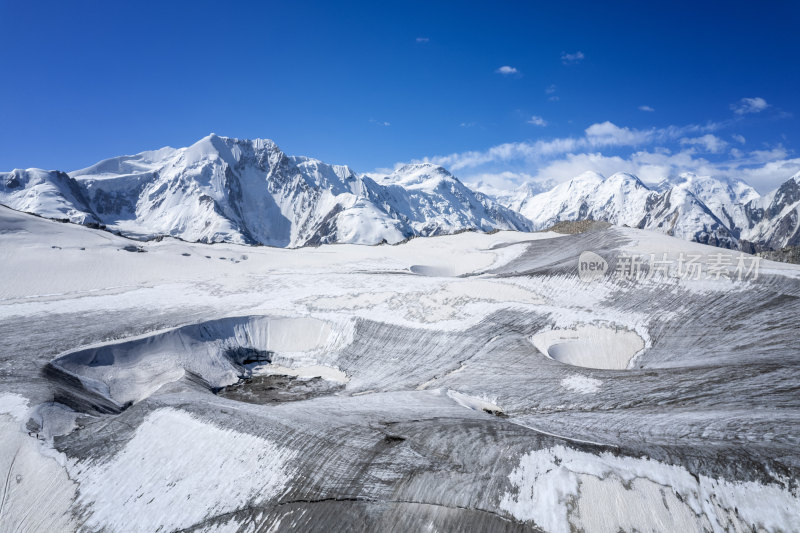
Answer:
x=532 y=188
x=312 y=161
x=216 y=145
x=33 y=170
x=582 y=181
x=409 y=168
x=625 y=177
x=417 y=175
x=589 y=175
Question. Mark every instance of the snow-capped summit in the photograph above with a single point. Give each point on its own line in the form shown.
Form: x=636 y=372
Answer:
x=249 y=191
x=773 y=220
x=711 y=210
x=588 y=177
x=48 y=193
x=723 y=197
x=420 y=176
x=713 y=189
x=431 y=200
x=515 y=198
x=624 y=199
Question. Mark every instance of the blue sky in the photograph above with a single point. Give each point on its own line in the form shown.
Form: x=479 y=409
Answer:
x=606 y=86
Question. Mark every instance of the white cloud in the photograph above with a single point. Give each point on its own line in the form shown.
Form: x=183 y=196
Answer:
x=646 y=108
x=380 y=122
x=537 y=121
x=505 y=70
x=609 y=134
x=467 y=124
x=770 y=175
x=749 y=105
x=652 y=154
x=550 y=89
x=764 y=171
x=422 y=39
x=600 y=135
x=708 y=142
x=570 y=59
x=494 y=183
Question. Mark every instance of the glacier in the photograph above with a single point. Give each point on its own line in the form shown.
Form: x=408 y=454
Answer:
x=465 y=381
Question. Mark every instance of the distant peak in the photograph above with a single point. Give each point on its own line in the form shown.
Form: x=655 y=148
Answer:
x=622 y=176
x=590 y=175
x=420 y=167
x=255 y=143
x=625 y=177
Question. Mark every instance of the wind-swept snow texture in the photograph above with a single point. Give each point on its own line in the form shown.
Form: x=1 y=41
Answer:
x=460 y=382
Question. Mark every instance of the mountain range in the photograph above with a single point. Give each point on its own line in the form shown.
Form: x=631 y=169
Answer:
x=223 y=189
x=248 y=191
x=715 y=211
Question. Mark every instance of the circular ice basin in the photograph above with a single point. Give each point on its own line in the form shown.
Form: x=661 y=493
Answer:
x=590 y=346
x=214 y=352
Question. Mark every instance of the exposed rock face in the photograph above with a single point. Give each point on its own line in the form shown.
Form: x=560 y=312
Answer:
x=789 y=254
x=773 y=221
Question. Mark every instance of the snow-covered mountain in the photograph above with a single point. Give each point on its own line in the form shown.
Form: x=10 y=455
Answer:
x=249 y=191
x=513 y=199
x=720 y=212
x=724 y=198
x=773 y=220
x=48 y=193
x=623 y=199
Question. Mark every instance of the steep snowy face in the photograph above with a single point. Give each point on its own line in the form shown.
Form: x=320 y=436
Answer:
x=620 y=199
x=432 y=202
x=214 y=190
x=233 y=190
x=724 y=198
x=250 y=192
x=720 y=212
x=773 y=220
x=516 y=198
x=680 y=213
x=565 y=200
x=623 y=199
x=48 y=193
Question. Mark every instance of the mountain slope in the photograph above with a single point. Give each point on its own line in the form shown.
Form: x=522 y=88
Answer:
x=724 y=198
x=773 y=220
x=51 y=194
x=623 y=199
x=250 y=192
x=431 y=199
